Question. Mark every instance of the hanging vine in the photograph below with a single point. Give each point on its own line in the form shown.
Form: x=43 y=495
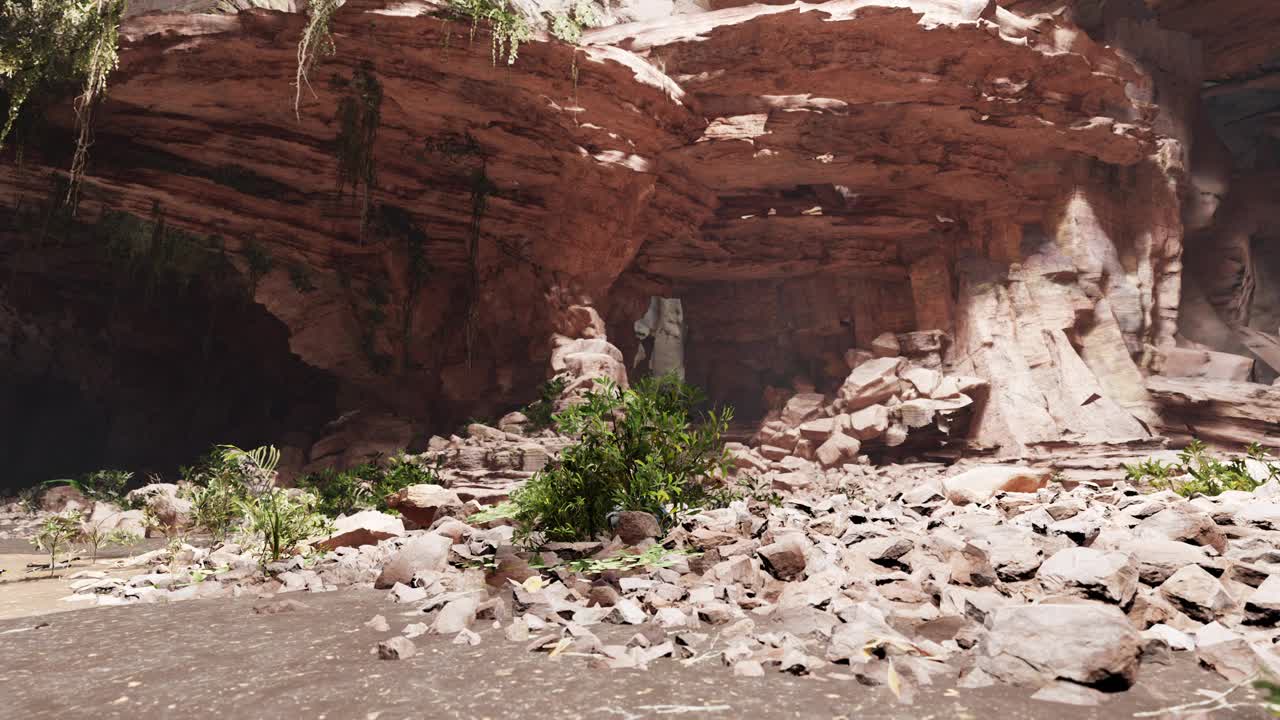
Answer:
x=359 y=115
x=481 y=188
x=317 y=41
x=507 y=27
x=46 y=43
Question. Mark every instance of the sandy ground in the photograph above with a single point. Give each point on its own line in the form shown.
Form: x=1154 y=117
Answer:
x=24 y=592
x=207 y=658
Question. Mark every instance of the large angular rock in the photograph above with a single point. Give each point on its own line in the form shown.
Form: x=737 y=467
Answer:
x=634 y=527
x=422 y=504
x=1184 y=523
x=425 y=552
x=1197 y=593
x=1087 y=643
x=366 y=527
x=1109 y=576
x=868 y=423
x=802 y=408
x=1263 y=606
x=1159 y=558
x=874 y=381
x=837 y=450
x=163 y=503
x=783 y=559
x=983 y=482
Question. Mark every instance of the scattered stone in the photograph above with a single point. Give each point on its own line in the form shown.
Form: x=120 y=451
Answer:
x=982 y=483
x=422 y=504
x=1109 y=576
x=397 y=648
x=1263 y=606
x=429 y=552
x=635 y=527
x=1197 y=593
x=367 y=527
x=378 y=623
x=1087 y=643
x=276 y=607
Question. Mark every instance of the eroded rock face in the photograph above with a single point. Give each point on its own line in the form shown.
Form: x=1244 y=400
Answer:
x=1001 y=187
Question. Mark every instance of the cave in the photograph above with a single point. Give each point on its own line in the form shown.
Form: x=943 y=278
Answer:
x=128 y=344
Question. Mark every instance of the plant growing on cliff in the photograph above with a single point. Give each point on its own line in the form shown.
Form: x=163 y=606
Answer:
x=636 y=449
x=47 y=43
x=541 y=412
x=316 y=41
x=359 y=115
x=507 y=27
x=568 y=26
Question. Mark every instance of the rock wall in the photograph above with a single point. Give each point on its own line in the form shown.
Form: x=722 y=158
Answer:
x=803 y=177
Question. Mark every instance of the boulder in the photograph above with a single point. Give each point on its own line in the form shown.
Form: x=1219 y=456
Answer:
x=1184 y=523
x=366 y=527
x=1263 y=605
x=1109 y=576
x=457 y=615
x=634 y=527
x=838 y=450
x=868 y=423
x=983 y=482
x=783 y=559
x=802 y=408
x=1087 y=643
x=874 y=381
x=429 y=552
x=162 y=503
x=422 y=504
x=64 y=497
x=886 y=345
x=1197 y=593
x=397 y=648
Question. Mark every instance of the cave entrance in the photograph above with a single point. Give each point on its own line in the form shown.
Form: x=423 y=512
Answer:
x=115 y=358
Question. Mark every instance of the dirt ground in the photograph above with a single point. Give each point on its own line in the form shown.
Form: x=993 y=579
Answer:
x=27 y=592
x=207 y=658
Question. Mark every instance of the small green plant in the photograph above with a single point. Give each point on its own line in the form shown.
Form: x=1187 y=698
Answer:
x=55 y=534
x=281 y=520
x=100 y=485
x=502 y=511
x=215 y=504
x=636 y=449
x=1272 y=698
x=541 y=412
x=568 y=26
x=655 y=557
x=1199 y=473
x=123 y=538
x=256 y=468
x=507 y=26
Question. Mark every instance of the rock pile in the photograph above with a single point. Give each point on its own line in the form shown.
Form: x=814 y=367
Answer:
x=894 y=576
x=885 y=401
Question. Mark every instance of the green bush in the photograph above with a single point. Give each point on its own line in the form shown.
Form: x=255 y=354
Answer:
x=636 y=449
x=366 y=486
x=100 y=485
x=281 y=520
x=541 y=412
x=1198 y=473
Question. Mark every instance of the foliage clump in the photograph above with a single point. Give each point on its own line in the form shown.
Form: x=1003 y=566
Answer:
x=366 y=486
x=636 y=449
x=100 y=485
x=45 y=44
x=1198 y=473
x=541 y=412
x=359 y=115
x=507 y=26
x=568 y=26
x=280 y=520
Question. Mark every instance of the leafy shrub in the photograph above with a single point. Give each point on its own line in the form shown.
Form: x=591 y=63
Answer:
x=100 y=485
x=1198 y=473
x=636 y=449
x=281 y=520
x=95 y=537
x=541 y=412
x=366 y=486
x=568 y=26
x=216 y=505
x=256 y=468
x=56 y=533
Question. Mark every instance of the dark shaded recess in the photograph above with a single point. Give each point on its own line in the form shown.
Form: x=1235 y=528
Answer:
x=127 y=344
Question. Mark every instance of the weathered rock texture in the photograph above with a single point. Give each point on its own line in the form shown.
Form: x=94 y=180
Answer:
x=803 y=177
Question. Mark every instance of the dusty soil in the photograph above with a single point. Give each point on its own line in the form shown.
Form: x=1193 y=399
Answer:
x=25 y=592
x=207 y=658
